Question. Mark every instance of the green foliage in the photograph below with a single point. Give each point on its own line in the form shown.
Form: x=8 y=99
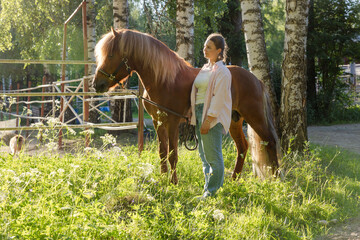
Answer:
x=273 y=13
x=332 y=39
x=230 y=27
x=339 y=115
x=112 y=193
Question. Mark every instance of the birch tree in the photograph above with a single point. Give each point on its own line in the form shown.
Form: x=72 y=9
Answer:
x=259 y=66
x=121 y=20
x=91 y=40
x=255 y=46
x=91 y=35
x=293 y=97
x=121 y=14
x=185 y=29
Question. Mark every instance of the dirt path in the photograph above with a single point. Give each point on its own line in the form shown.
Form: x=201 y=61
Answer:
x=348 y=137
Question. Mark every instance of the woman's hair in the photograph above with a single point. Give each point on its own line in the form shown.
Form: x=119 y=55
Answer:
x=219 y=42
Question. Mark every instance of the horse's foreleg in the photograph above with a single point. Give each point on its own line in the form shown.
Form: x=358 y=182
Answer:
x=173 y=134
x=163 y=146
x=238 y=136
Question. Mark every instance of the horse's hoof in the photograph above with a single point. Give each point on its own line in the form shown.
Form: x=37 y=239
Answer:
x=164 y=169
x=174 y=180
x=234 y=176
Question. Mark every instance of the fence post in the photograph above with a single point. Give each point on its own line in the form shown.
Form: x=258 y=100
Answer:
x=140 y=121
x=17 y=107
x=1 y=114
x=86 y=82
x=10 y=106
x=28 y=108
x=42 y=104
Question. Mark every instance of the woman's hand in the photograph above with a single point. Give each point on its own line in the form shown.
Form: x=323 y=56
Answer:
x=205 y=126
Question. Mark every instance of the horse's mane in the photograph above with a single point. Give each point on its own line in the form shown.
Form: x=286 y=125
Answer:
x=143 y=49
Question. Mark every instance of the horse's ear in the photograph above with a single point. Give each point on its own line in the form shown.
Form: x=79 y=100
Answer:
x=114 y=32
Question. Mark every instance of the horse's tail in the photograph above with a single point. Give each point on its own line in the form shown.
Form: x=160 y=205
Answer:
x=259 y=153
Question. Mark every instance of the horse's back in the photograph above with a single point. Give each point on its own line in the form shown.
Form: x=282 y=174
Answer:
x=245 y=86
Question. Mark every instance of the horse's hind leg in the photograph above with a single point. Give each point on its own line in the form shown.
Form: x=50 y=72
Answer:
x=163 y=146
x=173 y=134
x=238 y=136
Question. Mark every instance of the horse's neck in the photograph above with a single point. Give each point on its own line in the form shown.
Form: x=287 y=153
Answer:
x=184 y=79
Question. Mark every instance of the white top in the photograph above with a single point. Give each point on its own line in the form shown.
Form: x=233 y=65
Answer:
x=218 y=102
x=201 y=83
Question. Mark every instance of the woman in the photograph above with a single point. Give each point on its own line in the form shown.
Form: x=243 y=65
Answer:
x=211 y=111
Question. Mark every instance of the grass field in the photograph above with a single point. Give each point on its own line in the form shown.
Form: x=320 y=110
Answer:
x=112 y=193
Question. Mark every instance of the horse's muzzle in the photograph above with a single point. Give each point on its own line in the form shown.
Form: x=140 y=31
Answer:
x=100 y=85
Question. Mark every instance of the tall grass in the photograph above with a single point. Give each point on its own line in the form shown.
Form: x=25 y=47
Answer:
x=112 y=193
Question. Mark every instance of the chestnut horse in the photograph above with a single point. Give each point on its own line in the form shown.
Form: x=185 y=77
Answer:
x=168 y=79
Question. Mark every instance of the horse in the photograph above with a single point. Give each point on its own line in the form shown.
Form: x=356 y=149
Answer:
x=167 y=80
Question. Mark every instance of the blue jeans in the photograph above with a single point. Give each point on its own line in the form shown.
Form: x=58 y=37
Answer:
x=210 y=151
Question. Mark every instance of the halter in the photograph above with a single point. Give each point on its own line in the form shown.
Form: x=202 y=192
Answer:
x=112 y=76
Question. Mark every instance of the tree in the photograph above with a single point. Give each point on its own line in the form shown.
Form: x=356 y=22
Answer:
x=121 y=14
x=259 y=66
x=293 y=98
x=185 y=29
x=91 y=41
x=91 y=33
x=230 y=26
x=333 y=32
x=256 y=47
x=118 y=107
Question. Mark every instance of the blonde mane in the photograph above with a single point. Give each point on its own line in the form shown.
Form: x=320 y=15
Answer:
x=143 y=49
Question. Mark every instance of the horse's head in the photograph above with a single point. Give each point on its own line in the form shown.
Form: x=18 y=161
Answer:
x=112 y=68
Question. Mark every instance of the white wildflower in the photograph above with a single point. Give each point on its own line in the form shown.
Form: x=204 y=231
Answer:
x=17 y=179
x=108 y=139
x=88 y=149
x=150 y=198
x=146 y=169
x=12 y=100
x=74 y=166
x=71 y=131
x=60 y=170
x=87 y=131
x=51 y=146
x=27 y=110
x=51 y=121
x=37 y=124
x=35 y=171
x=3 y=196
x=52 y=174
x=99 y=154
x=11 y=171
x=218 y=215
x=117 y=149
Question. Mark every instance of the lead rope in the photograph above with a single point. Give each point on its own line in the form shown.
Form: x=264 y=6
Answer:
x=188 y=132
x=188 y=129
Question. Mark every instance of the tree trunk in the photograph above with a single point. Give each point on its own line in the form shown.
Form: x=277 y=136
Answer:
x=185 y=41
x=293 y=98
x=185 y=29
x=256 y=48
x=94 y=116
x=121 y=14
x=259 y=66
x=121 y=20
